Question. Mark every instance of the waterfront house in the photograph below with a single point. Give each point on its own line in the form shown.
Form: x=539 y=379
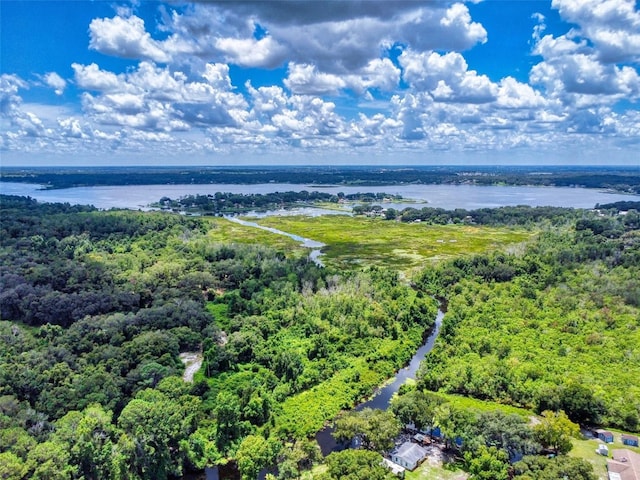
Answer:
x=409 y=455
x=625 y=465
x=604 y=435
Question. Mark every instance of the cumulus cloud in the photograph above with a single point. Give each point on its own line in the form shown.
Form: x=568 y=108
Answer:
x=338 y=40
x=305 y=79
x=267 y=101
x=377 y=74
x=11 y=108
x=155 y=98
x=401 y=62
x=328 y=50
x=249 y=52
x=446 y=77
x=56 y=82
x=582 y=66
x=72 y=128
x=29 y=124
x=125 y=37
x=90 y=77
x=582 y=79
x=9 y=99
x=612 y=25
x=513 y=94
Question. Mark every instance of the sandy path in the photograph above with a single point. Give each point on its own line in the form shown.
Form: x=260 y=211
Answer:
x=192 y=362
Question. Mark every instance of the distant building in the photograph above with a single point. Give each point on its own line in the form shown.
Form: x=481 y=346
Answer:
x=630 y=440
x=604 y=435
x=409 y=455
x=625 y=465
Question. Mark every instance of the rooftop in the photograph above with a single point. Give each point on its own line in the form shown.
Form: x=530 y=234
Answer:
x=412 y=452
x=625 y=465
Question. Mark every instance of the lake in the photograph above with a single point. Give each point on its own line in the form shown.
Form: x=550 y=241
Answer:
x=469 y=197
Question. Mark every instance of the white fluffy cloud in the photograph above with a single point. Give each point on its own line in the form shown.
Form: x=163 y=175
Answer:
x=154 y=98
x=56 y=82
x=513 y=94
x=73 y=128
x=446 y=77
x=125 y=37
x=337 y=38
x=360 y=76
x=345 y=39
x=579 y=68
x=249 y=52
x=583 y=77
x=9 y=99
x=90 y=77
x=307 y=80
x=25 y=123
x=613 y=26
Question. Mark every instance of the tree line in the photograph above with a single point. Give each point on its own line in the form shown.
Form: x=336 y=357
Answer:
x=514 y=216
x=622 y=179
x=230 y=203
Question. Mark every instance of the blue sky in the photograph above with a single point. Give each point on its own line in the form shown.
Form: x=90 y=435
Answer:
x=320 y=82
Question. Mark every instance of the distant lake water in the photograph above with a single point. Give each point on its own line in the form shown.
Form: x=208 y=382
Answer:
x=469 y=197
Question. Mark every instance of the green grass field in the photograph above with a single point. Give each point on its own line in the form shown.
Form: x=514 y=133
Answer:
x=484 y=405
x=427 y=471
x=404 y=246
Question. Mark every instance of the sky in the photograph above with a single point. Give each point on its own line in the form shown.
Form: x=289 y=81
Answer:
x=320 y=82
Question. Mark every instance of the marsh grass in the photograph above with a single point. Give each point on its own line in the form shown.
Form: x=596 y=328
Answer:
x=223 y=230
x=403 y=246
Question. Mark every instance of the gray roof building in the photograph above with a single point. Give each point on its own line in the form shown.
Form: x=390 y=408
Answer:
x=409 y=455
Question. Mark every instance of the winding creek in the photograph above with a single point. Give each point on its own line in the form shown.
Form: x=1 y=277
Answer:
x=381 y=399
x=305 y=242
x=442 y=196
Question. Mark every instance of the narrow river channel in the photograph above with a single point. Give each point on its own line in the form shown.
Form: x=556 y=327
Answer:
x=314 y=245
x=379 y=400
x=382 y=397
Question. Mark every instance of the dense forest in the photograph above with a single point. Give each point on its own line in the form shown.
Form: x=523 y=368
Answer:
x=622 y=179
x=555 y=328
x=97 y=306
